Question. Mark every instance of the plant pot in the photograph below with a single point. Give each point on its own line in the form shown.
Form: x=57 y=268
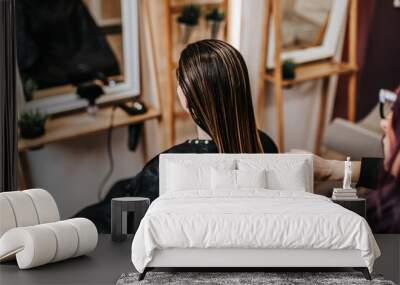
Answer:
x=288 y=70
x=214 y=27
x=31 y=132
x=185 y=32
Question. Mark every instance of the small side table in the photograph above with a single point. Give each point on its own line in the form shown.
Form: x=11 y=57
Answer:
x=357 y=206
x=119 y=211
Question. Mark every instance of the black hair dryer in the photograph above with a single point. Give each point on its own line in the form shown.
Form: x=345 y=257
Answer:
x=83 y=77
x=90 y=91
x=134 y=130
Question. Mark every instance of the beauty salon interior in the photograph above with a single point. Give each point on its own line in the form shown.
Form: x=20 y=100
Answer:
x=200 y=142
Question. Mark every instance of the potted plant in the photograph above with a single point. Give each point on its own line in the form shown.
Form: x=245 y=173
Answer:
x=32 y=124
x=214 y=19
x=30 y=87
x=288 y=69
x=188 y=19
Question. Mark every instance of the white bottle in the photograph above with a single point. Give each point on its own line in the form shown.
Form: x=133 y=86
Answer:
x=347 y=174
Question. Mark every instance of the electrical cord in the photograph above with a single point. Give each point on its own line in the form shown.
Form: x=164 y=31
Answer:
x=109 y=154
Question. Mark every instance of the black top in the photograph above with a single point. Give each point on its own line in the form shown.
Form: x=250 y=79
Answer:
x=145 y=183
x=369 y=173
x=383 y=216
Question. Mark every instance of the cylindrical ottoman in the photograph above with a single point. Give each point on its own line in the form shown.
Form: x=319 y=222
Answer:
x=120 y=207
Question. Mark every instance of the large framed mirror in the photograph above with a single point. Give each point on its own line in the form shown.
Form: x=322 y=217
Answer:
x=310 y=30
x=62 y=44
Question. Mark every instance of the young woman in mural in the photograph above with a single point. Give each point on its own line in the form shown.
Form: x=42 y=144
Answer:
x=214 y=88
x=383 y=175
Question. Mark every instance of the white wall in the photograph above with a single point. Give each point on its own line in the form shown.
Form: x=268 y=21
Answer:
x=73 y=170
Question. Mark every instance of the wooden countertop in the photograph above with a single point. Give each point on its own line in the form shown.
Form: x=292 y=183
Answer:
x=80 y=124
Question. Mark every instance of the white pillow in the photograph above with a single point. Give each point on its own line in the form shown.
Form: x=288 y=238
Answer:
x=251 y=178
x=181 y=177
x=237 y=179
x=184 y=174
x=293 y=181
x=280 y=174
x=223 y=179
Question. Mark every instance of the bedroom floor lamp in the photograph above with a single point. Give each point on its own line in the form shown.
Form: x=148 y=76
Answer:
x=8 y=116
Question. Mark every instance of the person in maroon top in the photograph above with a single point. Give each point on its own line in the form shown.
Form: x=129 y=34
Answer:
x=379 y=174
x=383 y=205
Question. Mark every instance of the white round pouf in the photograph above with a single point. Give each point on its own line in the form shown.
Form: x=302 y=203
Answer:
x=33 y=246
x=31 y=232
x=26 y=208
x=67 y=240
x=7 y=216
x=23 y=208
x=45 y=205
x=87 y=234
x=40 y=244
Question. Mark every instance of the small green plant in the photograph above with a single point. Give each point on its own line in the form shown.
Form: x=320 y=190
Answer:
x=29 y=86
x=31 y=124
x=289 y=69
x=190 y=15
x=215 y=15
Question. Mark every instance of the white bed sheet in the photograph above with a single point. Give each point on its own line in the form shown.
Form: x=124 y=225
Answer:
x=252 y=218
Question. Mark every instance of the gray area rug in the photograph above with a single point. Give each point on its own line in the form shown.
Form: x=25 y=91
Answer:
x=269 y=278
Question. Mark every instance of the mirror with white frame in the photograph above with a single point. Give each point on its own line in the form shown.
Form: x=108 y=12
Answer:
x=65 y=44
x=310 y=30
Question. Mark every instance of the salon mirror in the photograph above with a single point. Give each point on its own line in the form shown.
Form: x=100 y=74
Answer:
x=304 y=23
x=62 y=44
x=310 y=29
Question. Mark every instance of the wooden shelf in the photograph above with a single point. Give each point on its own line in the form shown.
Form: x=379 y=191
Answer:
x=80 y=124
x=174 y=47
x=177 y=6
x=322 y=69
x=314 y=70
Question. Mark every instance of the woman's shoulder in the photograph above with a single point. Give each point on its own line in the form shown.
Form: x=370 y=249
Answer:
x=268 y=143
x=208 y=146
x=189 y=146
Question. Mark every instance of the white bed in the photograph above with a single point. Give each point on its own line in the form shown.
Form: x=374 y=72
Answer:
x=194 y=223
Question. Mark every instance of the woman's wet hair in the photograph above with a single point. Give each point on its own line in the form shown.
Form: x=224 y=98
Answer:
x=214 y=79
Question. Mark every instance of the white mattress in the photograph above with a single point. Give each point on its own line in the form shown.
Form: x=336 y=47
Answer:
x=253 y=218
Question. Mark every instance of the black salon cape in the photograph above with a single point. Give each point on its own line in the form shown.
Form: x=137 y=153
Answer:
x=145 y=183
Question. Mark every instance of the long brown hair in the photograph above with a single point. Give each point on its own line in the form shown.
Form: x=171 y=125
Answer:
x=213 y=77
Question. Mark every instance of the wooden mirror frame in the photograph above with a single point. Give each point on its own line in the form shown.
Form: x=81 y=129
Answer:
x=336 y=23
